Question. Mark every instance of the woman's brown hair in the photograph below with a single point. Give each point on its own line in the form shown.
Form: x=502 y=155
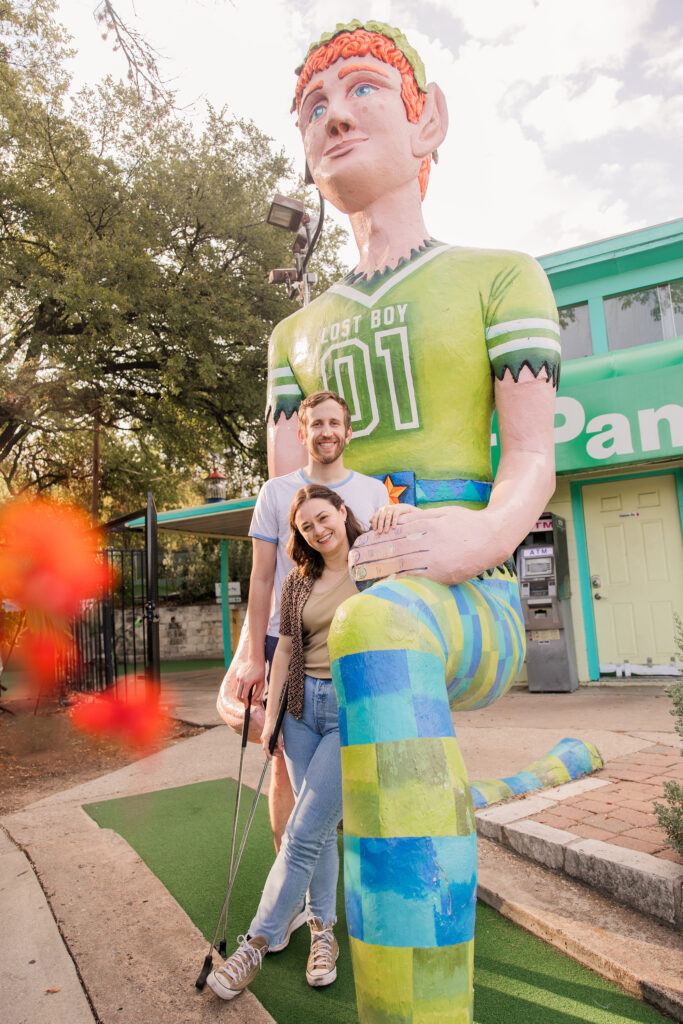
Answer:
x=311 y=562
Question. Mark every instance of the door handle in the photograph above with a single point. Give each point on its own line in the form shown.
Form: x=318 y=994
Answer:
x=598 y=597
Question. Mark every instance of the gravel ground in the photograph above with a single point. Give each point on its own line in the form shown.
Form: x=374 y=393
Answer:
x=41 y=753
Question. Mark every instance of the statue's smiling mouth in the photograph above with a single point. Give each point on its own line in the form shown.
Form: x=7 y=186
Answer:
x=343 y=147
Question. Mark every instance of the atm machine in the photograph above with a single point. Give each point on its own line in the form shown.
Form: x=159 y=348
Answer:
x=543 y=571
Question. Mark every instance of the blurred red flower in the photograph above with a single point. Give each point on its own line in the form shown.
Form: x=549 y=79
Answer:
x=49 y=559
x=134 y=720
x=37 y=654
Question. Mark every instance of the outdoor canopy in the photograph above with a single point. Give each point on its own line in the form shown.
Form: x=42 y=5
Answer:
x=224 y=520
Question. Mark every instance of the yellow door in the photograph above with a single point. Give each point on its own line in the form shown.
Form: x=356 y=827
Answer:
x=635 y=556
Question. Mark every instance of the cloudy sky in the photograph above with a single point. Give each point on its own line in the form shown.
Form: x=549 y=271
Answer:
x=566 y=118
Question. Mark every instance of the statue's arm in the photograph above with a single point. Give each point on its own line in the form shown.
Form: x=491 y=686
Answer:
x=285 y=451
x=525 y=480
x=284 y=395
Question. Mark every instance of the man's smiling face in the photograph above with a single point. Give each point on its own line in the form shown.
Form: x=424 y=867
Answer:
x=324 y=432
x=357 y=137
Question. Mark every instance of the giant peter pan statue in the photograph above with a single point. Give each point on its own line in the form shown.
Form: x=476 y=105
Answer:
x=422 y=339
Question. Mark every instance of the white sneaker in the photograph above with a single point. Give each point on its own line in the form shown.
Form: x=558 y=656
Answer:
x=321 y=968
x=299 y=918
x=240 y=969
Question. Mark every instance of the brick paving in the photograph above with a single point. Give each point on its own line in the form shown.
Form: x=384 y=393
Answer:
x=621 y=812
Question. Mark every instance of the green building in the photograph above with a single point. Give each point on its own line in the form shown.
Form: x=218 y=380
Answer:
x=619 y=445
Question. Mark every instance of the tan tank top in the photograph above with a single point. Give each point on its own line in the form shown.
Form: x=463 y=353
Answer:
x=316 y=619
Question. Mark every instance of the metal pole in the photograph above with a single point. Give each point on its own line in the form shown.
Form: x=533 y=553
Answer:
x=95 y=469
x=225 y=602
x=107 y=632
x=152 y=603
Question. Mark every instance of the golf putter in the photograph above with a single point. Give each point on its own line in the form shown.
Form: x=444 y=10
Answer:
x=245 y=738
x=234 y=864
x=208 y=961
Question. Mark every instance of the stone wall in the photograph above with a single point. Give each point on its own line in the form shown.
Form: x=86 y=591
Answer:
x=185 y=631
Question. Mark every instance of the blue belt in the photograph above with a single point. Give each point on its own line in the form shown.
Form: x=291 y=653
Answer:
x=410 y=491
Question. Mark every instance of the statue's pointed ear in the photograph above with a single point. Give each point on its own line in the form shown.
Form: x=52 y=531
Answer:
x=433 y=123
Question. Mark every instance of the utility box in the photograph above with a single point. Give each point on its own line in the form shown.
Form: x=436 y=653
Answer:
x=543 y=571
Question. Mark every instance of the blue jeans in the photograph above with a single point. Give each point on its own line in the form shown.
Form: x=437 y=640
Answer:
x=308 y=860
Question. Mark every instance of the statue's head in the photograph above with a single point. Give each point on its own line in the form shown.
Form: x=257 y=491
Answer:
x=368 y=119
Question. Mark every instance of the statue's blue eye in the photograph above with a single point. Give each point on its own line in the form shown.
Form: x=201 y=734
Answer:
x=363 y=90
x=317 y=111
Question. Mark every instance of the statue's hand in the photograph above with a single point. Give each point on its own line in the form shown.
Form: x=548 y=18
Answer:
x=448 y=545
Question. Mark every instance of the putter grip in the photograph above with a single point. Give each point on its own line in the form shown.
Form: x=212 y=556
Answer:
x=247 y=715
x=278 y=722
x=204 y=973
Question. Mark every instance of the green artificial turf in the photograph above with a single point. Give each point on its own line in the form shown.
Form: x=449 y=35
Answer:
x=183 y=835
x=192 y=665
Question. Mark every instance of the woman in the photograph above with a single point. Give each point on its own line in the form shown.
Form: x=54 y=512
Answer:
x=322 y=531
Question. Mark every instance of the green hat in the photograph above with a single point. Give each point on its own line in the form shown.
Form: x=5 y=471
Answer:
x=396 y=36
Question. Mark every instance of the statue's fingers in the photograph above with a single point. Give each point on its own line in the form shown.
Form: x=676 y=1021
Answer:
x=374 y=570
x=388 y=546
x=413 y=563
x=379 y=537
x=383 y=567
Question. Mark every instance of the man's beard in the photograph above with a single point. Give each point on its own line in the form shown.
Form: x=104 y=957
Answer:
x=325 y=457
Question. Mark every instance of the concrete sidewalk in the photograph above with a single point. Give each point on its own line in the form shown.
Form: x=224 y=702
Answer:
x=138 y=954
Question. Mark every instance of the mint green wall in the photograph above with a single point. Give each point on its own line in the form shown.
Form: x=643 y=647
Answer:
x=587 y=274
x=638 y=259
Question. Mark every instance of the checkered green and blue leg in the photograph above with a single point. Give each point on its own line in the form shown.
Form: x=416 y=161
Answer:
x=399 y=652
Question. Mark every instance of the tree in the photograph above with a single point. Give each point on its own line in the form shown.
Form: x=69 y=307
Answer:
x=134 y=301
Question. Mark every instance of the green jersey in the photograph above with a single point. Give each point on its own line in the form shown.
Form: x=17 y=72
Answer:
x=414 y=351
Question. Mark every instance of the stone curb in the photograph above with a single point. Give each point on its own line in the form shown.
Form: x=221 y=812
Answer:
x=590 y=947
x=639 y=880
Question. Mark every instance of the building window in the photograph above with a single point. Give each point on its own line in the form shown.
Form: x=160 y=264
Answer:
x=644 y=315
x=575 y=331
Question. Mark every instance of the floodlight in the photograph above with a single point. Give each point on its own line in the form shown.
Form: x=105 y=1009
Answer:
x=285 y=213
x=290 y=214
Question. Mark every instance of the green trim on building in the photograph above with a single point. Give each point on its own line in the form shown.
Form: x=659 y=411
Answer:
x=225 y=604
x=626 y=362
x=214 y=509
x=590 y=635
x=614 y=257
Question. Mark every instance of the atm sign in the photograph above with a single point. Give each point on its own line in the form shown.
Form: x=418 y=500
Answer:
x=536 y=552
x=543 y=524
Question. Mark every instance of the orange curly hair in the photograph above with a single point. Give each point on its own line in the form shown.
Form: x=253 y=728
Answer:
x=358 y=44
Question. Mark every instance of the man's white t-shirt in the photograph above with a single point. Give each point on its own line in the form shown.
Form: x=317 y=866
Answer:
x=270 y=521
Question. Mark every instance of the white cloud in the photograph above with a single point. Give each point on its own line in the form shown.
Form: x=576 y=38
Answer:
x=505 y=195
x=651 y=177
x=491 y=20
x=667 y=59
x=564 y=114
x=542 y=37
x=527 y=83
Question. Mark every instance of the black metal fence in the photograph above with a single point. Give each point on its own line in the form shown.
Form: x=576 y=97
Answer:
x=116 y=638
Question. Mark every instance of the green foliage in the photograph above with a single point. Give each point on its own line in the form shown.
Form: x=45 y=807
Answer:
x=134 y=294
x=670 y=814
x=190 y=569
